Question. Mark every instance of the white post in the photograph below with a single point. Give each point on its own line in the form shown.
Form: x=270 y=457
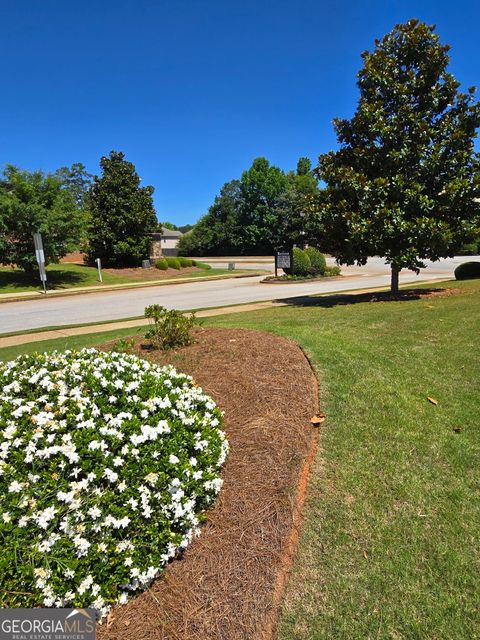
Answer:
x=40 y=255
x=99 y=267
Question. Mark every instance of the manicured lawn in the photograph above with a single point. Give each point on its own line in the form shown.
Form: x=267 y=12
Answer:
x=389 y=545
x=66 y=276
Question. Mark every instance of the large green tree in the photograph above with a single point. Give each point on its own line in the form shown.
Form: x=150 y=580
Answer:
x=122 y=214
x=404 y=183
x=36 y=202
x=256 y=214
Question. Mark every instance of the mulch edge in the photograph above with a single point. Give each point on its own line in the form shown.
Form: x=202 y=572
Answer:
x=291 y=548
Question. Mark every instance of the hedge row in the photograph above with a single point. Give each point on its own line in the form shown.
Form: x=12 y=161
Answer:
x=179 y=263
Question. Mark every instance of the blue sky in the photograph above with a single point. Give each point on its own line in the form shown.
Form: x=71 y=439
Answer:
x=193 y=91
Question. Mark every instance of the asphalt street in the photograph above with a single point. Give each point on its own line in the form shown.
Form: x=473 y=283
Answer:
x=115 y=305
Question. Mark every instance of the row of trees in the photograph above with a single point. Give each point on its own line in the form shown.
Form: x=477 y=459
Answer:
x=404 y=183
x=108 y=216
x=260 y=212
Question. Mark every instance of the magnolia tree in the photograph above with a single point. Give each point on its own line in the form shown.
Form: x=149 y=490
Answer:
x=122 y=214
x=405 y=181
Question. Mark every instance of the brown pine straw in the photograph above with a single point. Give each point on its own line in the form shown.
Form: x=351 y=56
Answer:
x=229 y=583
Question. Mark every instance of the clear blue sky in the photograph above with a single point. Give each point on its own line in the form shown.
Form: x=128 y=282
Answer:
x=192 y=91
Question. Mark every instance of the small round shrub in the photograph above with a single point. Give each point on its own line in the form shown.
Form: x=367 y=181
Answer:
x=106 y=464
x=161 y=264
x=185 y=262
x=317 y=261
x=467 y=271
x=202 y=265
x=301 y=263
x=173 y=263
x=471 y=249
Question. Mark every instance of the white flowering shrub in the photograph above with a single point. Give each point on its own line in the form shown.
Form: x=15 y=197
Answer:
x=106 y=465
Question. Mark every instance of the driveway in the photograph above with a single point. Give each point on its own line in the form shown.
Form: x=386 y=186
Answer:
x=115 y=305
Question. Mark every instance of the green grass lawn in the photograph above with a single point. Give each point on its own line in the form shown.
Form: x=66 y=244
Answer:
x=66 y=276
x=389 y=546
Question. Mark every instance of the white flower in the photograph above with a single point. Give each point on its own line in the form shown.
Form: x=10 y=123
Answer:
x=173 y=459
x=110 y=475
x=82 y=545
x=94 y=512
x=43 y=518
x=15 y=487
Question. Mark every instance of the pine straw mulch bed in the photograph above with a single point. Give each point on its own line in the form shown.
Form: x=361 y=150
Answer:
x=137 y=273
x=228 y=584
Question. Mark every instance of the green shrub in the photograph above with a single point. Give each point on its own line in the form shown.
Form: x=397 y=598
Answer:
x=173 y=263
x=185 y=262
x=201 y=265
x=317 y=261
x=124 y=345
x=161 y=264
x=332 y=271
x=169 y=328
x=471 y=249
x=301 y=263
x=467 y=271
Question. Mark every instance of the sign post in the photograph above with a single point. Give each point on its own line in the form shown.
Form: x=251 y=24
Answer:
x=39 y=254
x=99 y=267
x=283 y=260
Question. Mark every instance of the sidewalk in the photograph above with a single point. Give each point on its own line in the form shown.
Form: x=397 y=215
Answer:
x=39 y=295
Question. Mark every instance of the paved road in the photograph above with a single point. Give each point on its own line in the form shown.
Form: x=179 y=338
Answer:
x=114 y=305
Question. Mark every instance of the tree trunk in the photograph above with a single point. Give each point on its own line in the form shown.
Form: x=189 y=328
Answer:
x=394 y=281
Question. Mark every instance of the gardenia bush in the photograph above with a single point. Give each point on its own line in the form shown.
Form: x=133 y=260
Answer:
x=106 y=464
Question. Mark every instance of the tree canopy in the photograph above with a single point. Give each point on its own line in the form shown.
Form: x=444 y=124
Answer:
x=405 y=182
x=36 y=202
x=122 y=214
x=256 y=214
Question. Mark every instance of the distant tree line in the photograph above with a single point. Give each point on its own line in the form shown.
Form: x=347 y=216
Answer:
x=109 y=216
x=262 y=211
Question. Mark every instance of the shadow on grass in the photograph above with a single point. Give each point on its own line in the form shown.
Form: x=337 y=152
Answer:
x=334 y=300
x=13 y=279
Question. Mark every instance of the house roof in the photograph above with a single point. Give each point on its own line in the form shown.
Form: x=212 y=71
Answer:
x=169 y=233
x=166 y=233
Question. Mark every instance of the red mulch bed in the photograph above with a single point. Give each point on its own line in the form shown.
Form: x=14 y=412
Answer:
x=229 y=583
